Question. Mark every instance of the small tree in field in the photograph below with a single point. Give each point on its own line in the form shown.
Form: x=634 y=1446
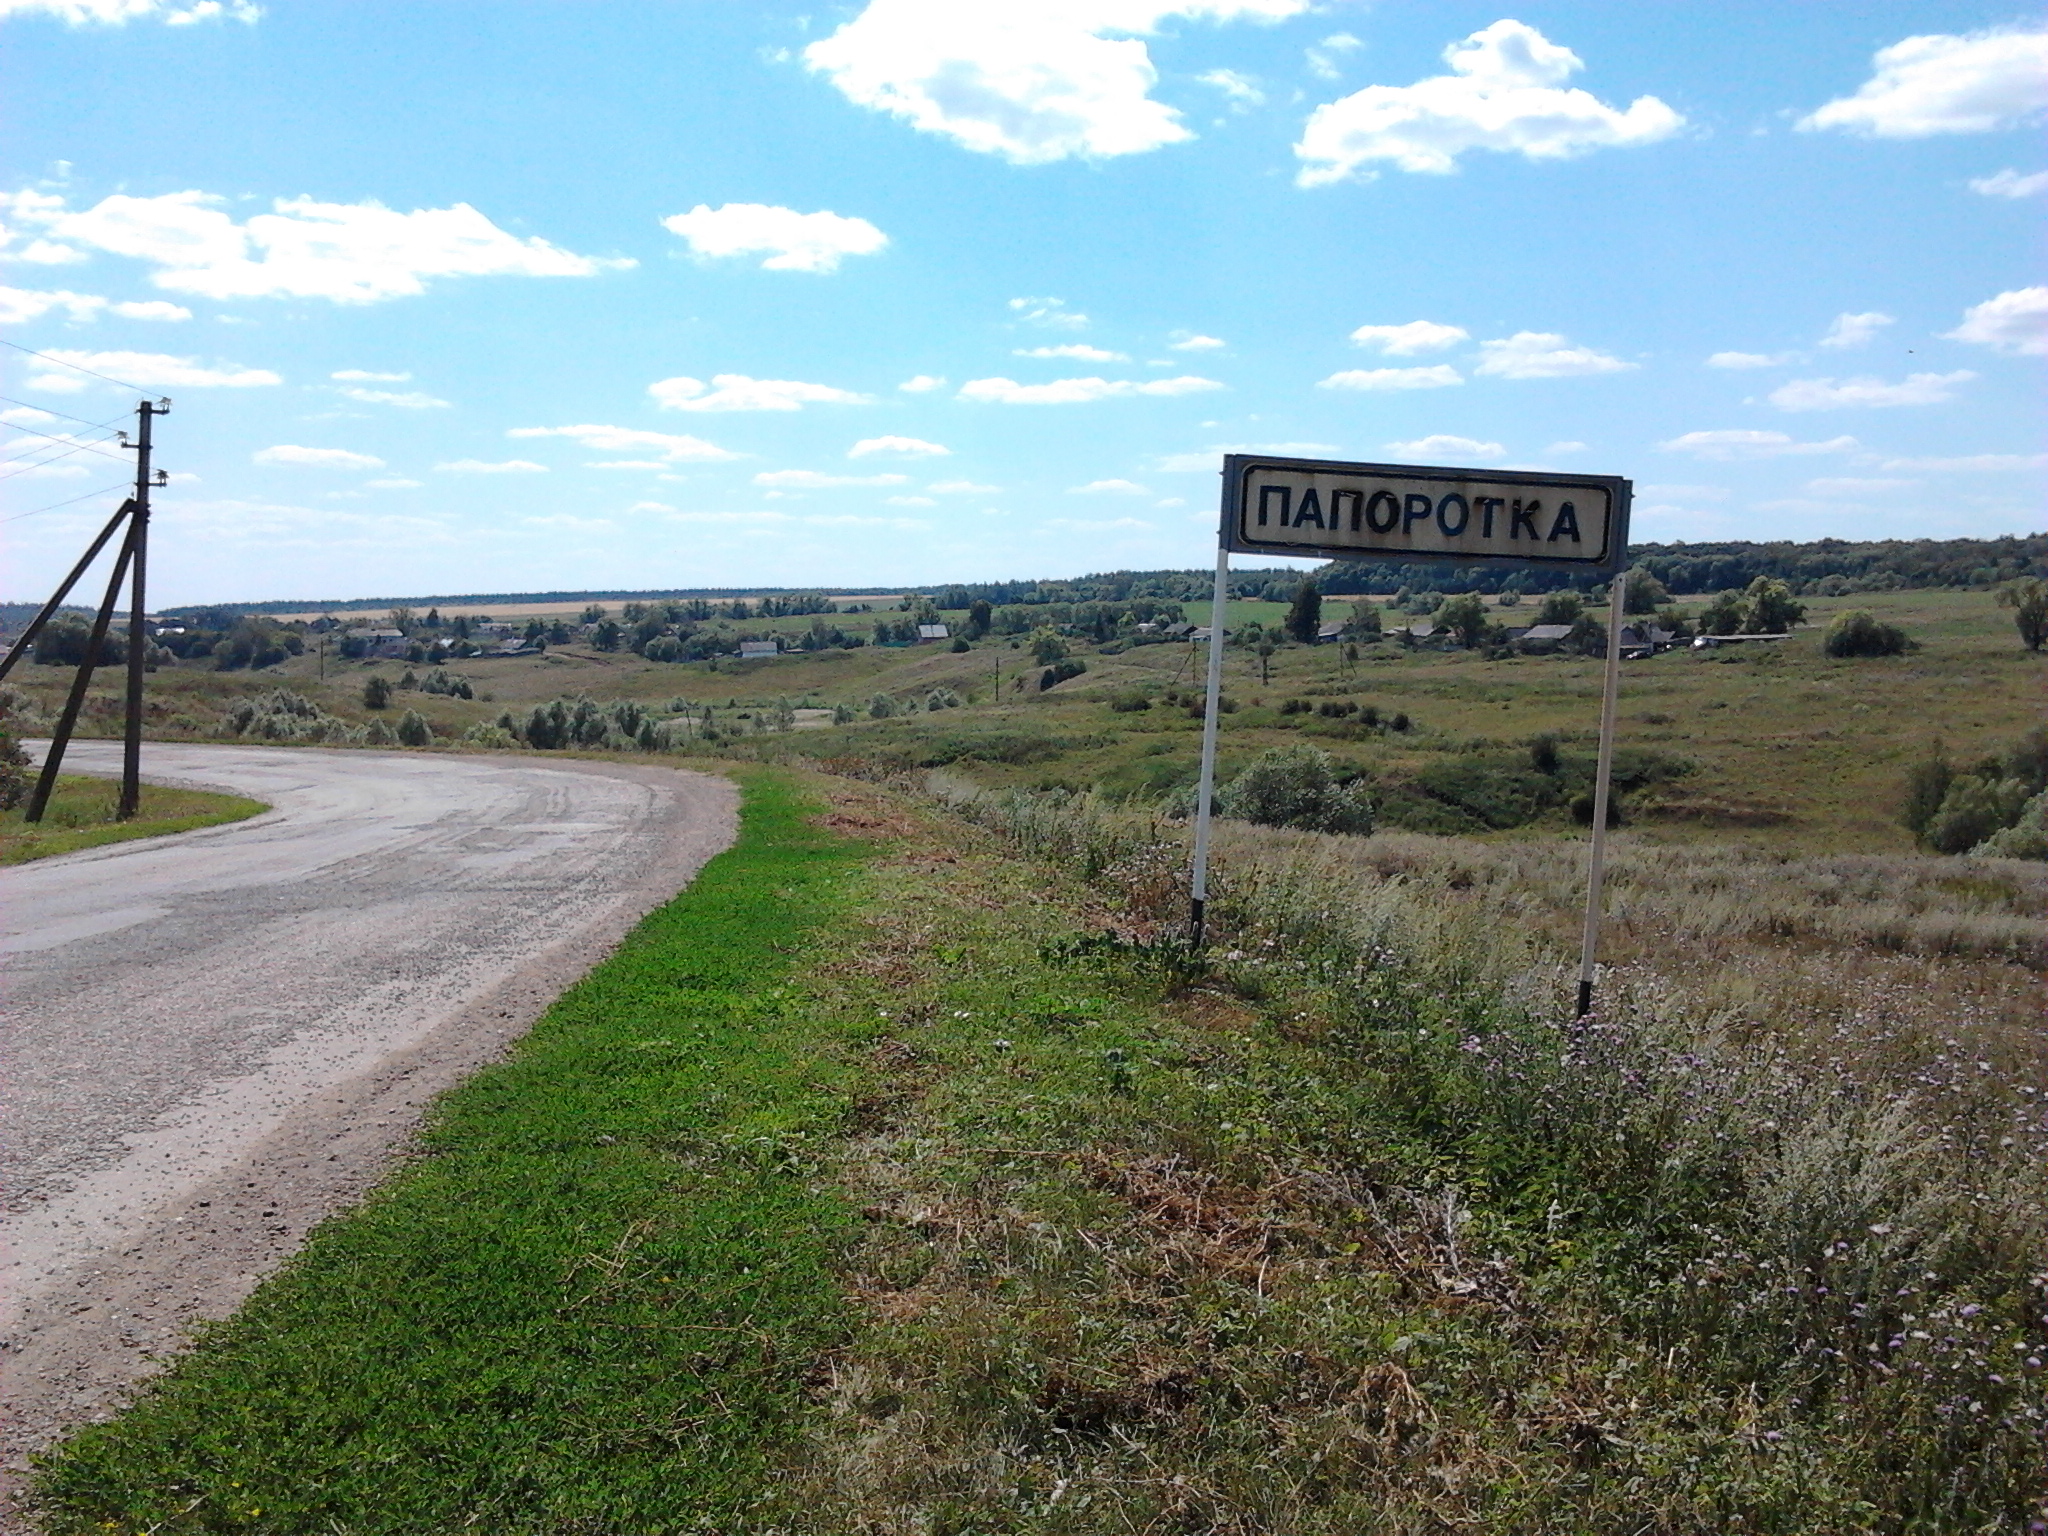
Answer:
x=1642 y=592
x=1305 y=614
x=376 y=692
x=413 y=730
x=1857 y=633
x=1769 y=607
x=1296 y=786
x=1465 y=617
x=2029 y=602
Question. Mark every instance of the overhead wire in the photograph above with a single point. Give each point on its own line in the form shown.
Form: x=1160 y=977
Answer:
x=26 y=405
x=48 y=458
x=65 y=362
x=118 y=485
x=69 y=440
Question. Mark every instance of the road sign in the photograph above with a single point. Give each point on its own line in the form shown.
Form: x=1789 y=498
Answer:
x=1337 y=511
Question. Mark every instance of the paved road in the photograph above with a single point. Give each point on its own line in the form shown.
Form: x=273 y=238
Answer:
x=209 y=1041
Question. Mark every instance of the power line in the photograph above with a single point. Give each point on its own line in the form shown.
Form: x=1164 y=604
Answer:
x=118 y=485
x=51 y=459
x=68 y=440
x=25 y=405
x=62 y=362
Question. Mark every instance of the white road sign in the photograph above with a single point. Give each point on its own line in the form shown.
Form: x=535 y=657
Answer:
x=1336 y=511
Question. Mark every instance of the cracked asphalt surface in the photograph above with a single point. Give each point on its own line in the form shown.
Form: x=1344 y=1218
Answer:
x=210 y=1041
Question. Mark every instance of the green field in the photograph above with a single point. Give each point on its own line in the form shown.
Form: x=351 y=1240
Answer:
x=81 y=815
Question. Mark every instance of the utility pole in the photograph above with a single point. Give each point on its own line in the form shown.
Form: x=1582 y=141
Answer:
x=138 y=639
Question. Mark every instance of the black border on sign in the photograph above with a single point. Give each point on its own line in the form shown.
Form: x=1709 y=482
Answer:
x=1236 y=466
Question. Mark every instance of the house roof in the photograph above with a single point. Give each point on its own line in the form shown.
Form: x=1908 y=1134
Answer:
x=933 y=632
x=1547 y=632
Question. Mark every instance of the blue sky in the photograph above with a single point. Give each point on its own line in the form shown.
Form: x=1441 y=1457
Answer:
x=614 y=293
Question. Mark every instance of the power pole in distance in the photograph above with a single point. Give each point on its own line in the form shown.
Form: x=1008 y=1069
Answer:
x=138 y=640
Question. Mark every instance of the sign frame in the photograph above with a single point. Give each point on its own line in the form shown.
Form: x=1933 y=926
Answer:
x=1611 y=563
x=1239 y=467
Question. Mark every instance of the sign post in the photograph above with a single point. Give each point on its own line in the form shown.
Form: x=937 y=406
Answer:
x=1330 y=510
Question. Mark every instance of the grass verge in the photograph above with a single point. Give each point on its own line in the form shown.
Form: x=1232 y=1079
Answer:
x=81 y=815
x=590 y=1302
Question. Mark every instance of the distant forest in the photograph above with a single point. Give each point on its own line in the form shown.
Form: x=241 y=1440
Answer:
x=1828 y=567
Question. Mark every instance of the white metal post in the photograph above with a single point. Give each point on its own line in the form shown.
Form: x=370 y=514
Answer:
x=1205 y=794
x=1602 y=779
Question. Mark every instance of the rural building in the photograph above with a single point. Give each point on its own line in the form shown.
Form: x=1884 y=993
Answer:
x=1708 y=642
x=1330 y=629
x=1543 y=637
x=751 y=650
x=933 y=632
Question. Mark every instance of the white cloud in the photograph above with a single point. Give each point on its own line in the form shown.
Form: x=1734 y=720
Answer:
x=1079 y=351
x=811 y=480
x=16 y=415
x=2010 y=183
x=395 y=483
x=1748 y=443
x=737 y=392
x=148 y=370
x=1030 y=80
x=2014 y=321
x=642 y=465
x=1239 y=90
x=1438 y=376
x=117 y=12
x=407 y=400
x=1543 y=355
x=1053 y=314
x=18 y=306
x=1504 y=93
x=1096 y=525
x=1444 y=445
x=1834 y=394
x=1186 y=341
x=54 y=472
x=1322 y=59
x=1855 y=330
x=791 y=241
x=1118 y=487
x=905 y=447
x=1971 y=463
x=1078 y=391
x=1207 y=461
x=673 y=448
x=922 y=384
x=315 y=458
x=484 y=467
x=1946 y=83
x=151 y=309
x=351 y=253
x=363 y=376
x=910 y=501
x=1751 y=359
x=1408 y=340
x=962 y=488
x=1568 y=447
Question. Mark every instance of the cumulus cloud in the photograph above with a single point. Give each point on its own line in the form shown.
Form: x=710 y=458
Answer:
x=1030 y=80
x=922 y=384
x=1238 y=90
x=1505 y=93
x=488 y=467
x=903 y=447
x=910 y=501
x=350 y=253
x=315 y=458
x=1436 y=377
x=1971 y=463
x=1190 y=341
x=1444 y=445
x=789 y=241
x=148 y=370
x=2010 y=183
x=1543 y=355
x=1408 y=340
x=1751 y=359
x=669 y=447
x=1053 y=314
x=1836 y=394
x=2014 y=321
x=1749 y=443
x=1078 y=391
x=405 y=400
x=1322 y=59
x=1946 y=83
x=1855 y=330
x=18 y=306
x=364 y=376
x=118 y=12
x=737 y=392
x=1079 y=351
x=1116 y=487
x=811 y=480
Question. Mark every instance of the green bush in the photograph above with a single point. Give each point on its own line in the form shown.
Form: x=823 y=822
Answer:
x=413 y=730
x=1296 y=786
x=376 y=691
x=1857 y=632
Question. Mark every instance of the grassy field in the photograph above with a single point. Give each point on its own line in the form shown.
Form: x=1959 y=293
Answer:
x=913 y=1185
x=1777 y=747
x=81 y=815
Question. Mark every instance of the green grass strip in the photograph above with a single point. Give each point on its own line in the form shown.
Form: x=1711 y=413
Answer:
x=81 y=815
x=589 y=1306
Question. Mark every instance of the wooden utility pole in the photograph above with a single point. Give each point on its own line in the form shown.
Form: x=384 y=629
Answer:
x=138 y=638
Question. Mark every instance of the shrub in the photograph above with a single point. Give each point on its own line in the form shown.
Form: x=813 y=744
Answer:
x=1296 y=786
x=1305 y=614
x=1059 y=672
x=413 y=730
x=13 y=770
x=1543 y=753
x=1130 y=702
x=2026 y=838
x=881 y=707
x=379 y=734
x=376 y=692
x=2029 y=602
x=488 y=733
x=1856 y=632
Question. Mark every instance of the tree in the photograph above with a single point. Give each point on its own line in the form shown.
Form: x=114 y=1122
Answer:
x=1465 y=617
x=2029 y=602
x=1565 y=607
x=1858 y=633
x=413 y=730
x=1296 y=786
x=13 y=770
x=1265 y=650
x=1365 y=618
x=979 y=617
x=594 y=614
x=1047 y=647
x=1722 y=616
x=606 y=636
x=1768 y=607
x=1642 y=592
x=376 y=692
x=1305 y=614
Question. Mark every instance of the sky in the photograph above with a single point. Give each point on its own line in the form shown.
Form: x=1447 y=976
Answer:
x=521 y=295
